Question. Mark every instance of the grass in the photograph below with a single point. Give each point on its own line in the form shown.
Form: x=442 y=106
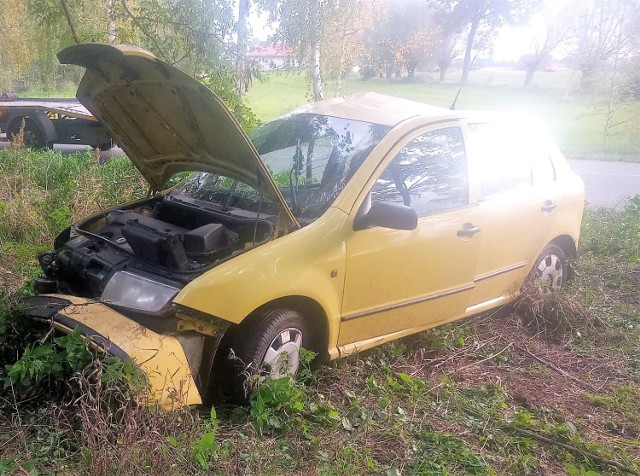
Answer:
x=577 y=122
x=548 y=385
x=53 y=93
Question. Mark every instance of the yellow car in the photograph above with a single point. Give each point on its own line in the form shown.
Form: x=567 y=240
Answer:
x=344 y=225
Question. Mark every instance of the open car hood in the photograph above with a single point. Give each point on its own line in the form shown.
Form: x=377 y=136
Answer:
x=165 y=120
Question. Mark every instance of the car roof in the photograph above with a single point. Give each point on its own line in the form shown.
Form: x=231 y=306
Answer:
x=377 y=108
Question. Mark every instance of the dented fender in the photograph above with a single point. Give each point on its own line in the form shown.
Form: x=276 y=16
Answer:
x=161 y=358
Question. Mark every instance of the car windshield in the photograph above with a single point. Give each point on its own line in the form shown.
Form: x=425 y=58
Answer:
x=311 y=157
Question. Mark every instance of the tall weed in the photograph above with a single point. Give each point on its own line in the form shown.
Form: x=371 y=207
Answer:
x=43 y=192
x=44 y=187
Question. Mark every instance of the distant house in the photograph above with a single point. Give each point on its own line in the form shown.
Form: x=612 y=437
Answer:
x=272 y=57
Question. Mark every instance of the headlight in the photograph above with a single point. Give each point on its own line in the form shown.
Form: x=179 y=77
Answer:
x=137 y=292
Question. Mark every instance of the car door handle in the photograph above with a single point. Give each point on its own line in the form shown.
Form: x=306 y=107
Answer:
x=468 y=230
x=548 y=206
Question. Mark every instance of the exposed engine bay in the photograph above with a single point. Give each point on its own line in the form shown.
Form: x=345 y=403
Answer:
x=167 y=238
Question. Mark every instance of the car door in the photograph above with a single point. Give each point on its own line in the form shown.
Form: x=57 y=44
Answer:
x=517 y=199
x=399 y=280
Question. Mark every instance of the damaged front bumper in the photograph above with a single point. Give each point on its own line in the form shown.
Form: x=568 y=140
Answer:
x=177 y=367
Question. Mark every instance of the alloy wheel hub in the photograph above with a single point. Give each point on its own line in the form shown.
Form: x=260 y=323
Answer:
x=283 y=355
x=550 y=273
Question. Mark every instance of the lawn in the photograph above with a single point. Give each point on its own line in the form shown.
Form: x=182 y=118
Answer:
x=549 y=385
x=576 y=121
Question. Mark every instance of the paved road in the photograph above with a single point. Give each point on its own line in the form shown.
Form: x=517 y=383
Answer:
x=606 y=184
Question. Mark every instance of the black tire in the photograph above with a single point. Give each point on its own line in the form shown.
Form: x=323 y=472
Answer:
x=33 y=136
x=550 y=270
x=264 y=346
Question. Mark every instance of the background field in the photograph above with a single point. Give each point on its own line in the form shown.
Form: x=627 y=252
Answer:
x=577 y=122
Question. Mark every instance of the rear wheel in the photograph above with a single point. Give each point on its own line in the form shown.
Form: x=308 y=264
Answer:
x=267 y=346
x=33 y=137
x=550 y=269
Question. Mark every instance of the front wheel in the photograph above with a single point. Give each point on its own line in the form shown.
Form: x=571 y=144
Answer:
x=267 y=346
x=550 y=269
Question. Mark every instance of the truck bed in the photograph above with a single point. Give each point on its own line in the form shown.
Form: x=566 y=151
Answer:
x=68 y=107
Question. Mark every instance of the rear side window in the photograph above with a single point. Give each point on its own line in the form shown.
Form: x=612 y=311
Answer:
x=504 y=156
x=429 y=174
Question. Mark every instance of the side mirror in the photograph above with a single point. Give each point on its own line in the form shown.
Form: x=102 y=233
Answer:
x=387 y=215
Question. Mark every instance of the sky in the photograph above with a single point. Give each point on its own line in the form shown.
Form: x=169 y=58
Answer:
x=514 y=41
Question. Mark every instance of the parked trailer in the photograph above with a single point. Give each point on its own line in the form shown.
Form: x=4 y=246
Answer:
x=49 y=121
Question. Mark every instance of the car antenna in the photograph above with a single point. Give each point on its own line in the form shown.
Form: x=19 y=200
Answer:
x=453 y=104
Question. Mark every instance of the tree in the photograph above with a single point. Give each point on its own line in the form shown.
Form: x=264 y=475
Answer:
x=300 y=28
x=19 y=51
x=194 y=35
x=603 y=30
x=242 y=35
x=403 y=36
x=342 y=39
x=447 y=35
x=483 y=17
x=313 y=28
x=552 y=32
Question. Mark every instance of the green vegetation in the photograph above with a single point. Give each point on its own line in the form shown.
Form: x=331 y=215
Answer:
x=546 y=386
x=576 y=121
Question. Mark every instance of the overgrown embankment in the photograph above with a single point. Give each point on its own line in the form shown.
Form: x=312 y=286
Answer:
x=43 y=192
x=546 y=386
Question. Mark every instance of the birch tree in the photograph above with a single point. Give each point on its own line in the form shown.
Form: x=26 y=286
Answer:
x=483 y=18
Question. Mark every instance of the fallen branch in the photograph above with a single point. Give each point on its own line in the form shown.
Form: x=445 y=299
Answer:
x=585 y=453
x=552 y=366
x=478 y=362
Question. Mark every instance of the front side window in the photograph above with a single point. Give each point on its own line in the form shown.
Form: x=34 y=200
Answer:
x=429 y=174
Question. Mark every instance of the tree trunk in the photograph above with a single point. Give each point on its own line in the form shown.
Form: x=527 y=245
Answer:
x=443 y=66
x=467 y=54
x=111 y=31
x=612 y=88
x=67 y=15
x=530 y=71
x=343 y=53
x=588 y=72
x=241 y=46
x=316 y=78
